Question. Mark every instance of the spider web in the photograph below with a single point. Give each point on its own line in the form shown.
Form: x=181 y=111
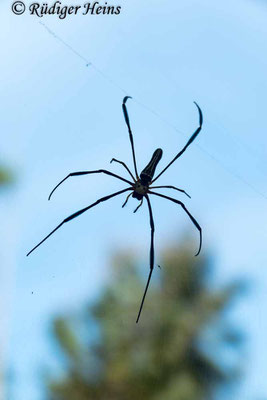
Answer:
x=90 y=64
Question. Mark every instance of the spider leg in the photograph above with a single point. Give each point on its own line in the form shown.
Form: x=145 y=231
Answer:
x=127 y=120
x=171 y=187
x=187 y=212
x=151 y=256
x=137 y=208
x=127 y=198
x=192 y=138
x=86 y=173
x=125 y=166
x=76 y=214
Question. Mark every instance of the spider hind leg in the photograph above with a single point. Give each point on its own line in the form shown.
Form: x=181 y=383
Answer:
x=127 y=198
x=77 y=213
x=151 y=256
x=137 y=208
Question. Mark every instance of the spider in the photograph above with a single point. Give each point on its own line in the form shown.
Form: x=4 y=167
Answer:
x=140 y=188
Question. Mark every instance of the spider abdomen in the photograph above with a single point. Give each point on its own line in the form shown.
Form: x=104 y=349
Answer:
x=149 y=171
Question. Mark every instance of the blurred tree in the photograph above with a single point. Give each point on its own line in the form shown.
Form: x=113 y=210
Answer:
x=5 y=176
x=169 y=355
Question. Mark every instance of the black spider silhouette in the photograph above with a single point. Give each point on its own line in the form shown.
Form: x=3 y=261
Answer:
x=140 y=188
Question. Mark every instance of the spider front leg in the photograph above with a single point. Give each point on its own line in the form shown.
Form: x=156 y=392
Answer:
x=125 y=166
x=192 y=138
x=187 y=212
x=127 y=120
x=77 y=213
x=99 y=171
x=151 y=255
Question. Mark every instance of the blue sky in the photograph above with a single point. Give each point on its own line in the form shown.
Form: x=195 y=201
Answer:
x=60 y=116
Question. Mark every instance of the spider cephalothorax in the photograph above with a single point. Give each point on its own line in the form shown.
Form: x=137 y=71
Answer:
x=139 y=188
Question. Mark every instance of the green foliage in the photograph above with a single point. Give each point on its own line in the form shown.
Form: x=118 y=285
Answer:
x=164 y=356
